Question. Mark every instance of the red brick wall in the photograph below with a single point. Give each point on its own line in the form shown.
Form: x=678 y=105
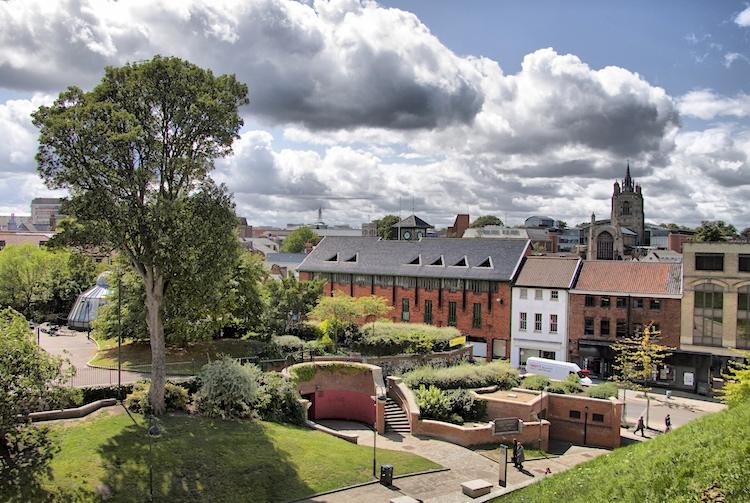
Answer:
x=341 y=404
x=675 y=241
x=495 y=324
x=667 y=317
x=600 y=434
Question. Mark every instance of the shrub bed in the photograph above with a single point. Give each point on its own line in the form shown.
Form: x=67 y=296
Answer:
x=175 y=397
x=454 y=406
x=465 y=375
x=387 y=339
x=603 y=390
x=535 y=382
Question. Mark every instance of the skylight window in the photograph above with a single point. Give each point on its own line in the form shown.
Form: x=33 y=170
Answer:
x=416 y=261
x=438 y=261
x=487 y=263
x=353 y=258
x=461 y=263
x=335 y=258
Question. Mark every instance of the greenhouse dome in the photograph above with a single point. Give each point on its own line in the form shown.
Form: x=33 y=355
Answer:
x=87 y=304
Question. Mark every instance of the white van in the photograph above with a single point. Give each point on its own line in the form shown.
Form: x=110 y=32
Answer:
x=555 y=369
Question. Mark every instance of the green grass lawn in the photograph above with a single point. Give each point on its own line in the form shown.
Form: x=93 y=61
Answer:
x=199 y=459
x=187 y=361
x=706 y=460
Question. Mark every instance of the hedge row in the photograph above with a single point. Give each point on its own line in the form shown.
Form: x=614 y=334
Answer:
x=465 y=375
x=386 y=339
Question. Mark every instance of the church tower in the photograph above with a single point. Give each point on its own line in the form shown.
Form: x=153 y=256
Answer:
x=627 y=207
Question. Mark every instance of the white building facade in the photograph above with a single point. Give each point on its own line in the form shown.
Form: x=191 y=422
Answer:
x=539 y=307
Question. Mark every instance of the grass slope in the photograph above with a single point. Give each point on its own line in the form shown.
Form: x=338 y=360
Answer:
x=706 y=460
x=199 y=459
x=137 y=355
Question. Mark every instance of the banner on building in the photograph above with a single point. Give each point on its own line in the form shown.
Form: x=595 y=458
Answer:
x=458 y=341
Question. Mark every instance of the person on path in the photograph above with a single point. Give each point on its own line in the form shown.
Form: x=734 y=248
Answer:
x=514 y=456
x=641 y=427
x=520 y=457
x=667 y=424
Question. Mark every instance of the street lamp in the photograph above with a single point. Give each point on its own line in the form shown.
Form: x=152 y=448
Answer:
x=119 y=336
x=154 y=431
x=539 y=416
x=379 y=398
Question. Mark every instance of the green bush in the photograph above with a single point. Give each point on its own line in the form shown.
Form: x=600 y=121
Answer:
x=288 y=343
x=455 y=419
x=316 y=348
x=175 y=397
x=385 y=339
x=465 y=375
x=278 y=400
x=567 y=387
x=306 y=331
x=603 y=390
x=228 y=389
x=94 y=393
x=433 y=403
x=466 y=406
x=535 y=382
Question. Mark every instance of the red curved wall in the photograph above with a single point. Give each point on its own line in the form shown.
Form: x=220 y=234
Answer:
x=342 y=404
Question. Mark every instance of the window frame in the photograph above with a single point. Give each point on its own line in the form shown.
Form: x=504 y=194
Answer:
x=523 y=293
x=621 y=302
x=553 y=324
x=405 y=309
x=604 y=322
x=554 y=295
x=654 y=304
x=605 y=301
x=428 y=311
x=589 y=301
x=476 y=315
x=523 y=321
x=538 y=322
x=706 y=259
x=588 y=322
x=452 y=313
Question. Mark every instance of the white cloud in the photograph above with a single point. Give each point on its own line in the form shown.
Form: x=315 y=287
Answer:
x=706 y=104
x=731 y=57
x=743 y=18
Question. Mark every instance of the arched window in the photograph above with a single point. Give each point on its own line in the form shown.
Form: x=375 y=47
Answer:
x=625 y=209
x=708 y=321
x=605 y=246
x=743 y=317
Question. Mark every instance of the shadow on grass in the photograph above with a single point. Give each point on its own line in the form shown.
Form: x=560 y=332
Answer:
x=198 y=459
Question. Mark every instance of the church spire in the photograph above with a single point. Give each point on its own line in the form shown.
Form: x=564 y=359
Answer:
x=627 y=184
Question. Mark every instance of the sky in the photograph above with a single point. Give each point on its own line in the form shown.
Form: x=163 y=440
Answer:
x=510 y=108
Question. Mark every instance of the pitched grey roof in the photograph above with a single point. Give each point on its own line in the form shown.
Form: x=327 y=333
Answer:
x=413 y=221
x=285 y=258
x=366 y=255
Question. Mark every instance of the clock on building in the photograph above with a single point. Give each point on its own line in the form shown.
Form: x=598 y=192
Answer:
x=407 y=235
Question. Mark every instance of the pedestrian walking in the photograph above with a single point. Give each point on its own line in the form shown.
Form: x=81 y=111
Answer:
x=667 y=424
x=641 y=427
x=520 y=457
x=514 y=456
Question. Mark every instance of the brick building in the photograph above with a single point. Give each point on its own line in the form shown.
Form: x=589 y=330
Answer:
x=445 y=282
x=614 y=299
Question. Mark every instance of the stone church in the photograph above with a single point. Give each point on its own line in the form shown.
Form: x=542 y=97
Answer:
x=617 y=237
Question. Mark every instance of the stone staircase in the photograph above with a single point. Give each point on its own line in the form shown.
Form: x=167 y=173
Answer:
x=395 y=418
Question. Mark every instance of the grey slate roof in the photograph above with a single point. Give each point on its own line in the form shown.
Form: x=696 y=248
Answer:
x=389 y=257
x=413 y=221
x=285 y=258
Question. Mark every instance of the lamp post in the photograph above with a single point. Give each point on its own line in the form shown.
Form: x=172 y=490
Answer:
x=153 y=432
x=119 y=336
x=379 y=398
x=539 y=416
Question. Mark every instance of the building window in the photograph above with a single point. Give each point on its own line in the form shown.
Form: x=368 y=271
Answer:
x=604 y=302
x=553 y=323
x=622 y=302
x=604 y=328
x=625 y=209
x=452 y=314
x=743 y=317
x=428 y=283
x=597 y=418
x=554 y=295
x=523 y=293
x=708 y=323
x=638 y=303
x=743 y=264
x=655 y=305
x=404 y=309
x=590 y=301
x=537 y=322
x=522 y=322
x=588 y=326
x=709 y=261
x=605 y=246
x=574 y=414
x=476 y=320
x=428 y=312
x=621 y=329
x=538 y=294
x=453 y=285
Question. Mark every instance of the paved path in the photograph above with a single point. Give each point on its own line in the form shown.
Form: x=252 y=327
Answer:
x=445 y=487
x=79 y=350
x=681 y=409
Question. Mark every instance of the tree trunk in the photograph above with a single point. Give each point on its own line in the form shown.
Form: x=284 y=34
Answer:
x=154 y=284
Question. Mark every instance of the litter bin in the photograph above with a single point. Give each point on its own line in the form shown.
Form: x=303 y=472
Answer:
x=386 y=475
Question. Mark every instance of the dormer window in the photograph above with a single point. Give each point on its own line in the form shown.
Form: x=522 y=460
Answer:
x=334 y=258
x=462 y=262
x=416 y=260
x=438 y=261
x=353 y=258
x=487 y=263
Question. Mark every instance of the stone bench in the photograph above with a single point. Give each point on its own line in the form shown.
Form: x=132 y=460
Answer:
x=403 y=499
x=476 y=488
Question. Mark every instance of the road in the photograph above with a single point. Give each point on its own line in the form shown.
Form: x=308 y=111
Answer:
x=79 y=350
x=681 y=409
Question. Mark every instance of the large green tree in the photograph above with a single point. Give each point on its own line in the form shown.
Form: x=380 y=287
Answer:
x=41 y=283
x=486 y=220
x=288 y=301
x=133 y=153
x=296 y=240
x=385 y=226
x=30 y=381
x=714 y=230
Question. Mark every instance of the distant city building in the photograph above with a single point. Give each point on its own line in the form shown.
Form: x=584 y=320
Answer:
x=370 y=230
x=624 y=231
x=460 y=224
x=662 y=256
x=537 y=221
x=542 y=239
x=282 y=264
x=715 y=309
x=411 y=228
x=45 y=211
x=539 y=323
